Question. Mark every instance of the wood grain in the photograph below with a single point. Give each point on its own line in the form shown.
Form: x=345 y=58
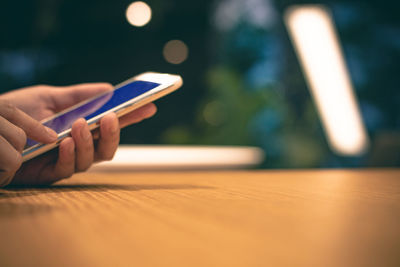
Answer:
x=220 y=218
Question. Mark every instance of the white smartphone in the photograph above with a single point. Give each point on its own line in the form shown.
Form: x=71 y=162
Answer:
x=125 y=97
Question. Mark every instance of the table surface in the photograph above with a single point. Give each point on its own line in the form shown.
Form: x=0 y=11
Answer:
x=205 y=218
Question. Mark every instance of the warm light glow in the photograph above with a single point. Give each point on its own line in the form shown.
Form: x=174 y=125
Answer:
x=181 y=157
x=175 y=52
x=138 y=14
x=313 y=33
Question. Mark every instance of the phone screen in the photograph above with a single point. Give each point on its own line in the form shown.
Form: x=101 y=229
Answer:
x=97 y=106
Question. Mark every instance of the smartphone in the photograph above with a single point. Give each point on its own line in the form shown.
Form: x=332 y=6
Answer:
x=125 y=97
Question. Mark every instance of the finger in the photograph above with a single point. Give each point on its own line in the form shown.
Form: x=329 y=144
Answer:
x=33 y=128
x=138 y=115
x=109 y=138
x=14 y=135
x=71 y=95
x=10 y=161
x=65 y=165
x=84 y=150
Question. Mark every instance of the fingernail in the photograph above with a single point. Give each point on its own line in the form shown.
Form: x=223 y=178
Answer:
x=85 y=134
x=51 y=133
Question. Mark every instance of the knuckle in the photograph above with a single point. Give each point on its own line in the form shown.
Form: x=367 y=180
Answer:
x=7 y=107
x=21 y=139
x=37 y=126
x=17 y=161
x=14 y=162
x=10 y=112
x=87 y=145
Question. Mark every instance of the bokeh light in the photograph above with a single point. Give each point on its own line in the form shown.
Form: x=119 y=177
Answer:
x=138 y=13
x=175 y=52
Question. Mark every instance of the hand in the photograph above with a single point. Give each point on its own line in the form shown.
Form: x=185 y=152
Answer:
x=15 y=126
x=78 y=152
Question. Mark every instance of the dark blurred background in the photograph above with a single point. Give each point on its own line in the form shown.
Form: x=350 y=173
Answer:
x=242 y=81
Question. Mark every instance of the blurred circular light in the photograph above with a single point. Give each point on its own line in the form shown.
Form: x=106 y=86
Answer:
x=175 y=52
x=138 y=13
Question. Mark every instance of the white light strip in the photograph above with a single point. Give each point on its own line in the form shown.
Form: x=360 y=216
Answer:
x=181 y=157
x=315 y=40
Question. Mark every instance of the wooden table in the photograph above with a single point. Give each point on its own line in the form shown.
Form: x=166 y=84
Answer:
x=219 y=218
